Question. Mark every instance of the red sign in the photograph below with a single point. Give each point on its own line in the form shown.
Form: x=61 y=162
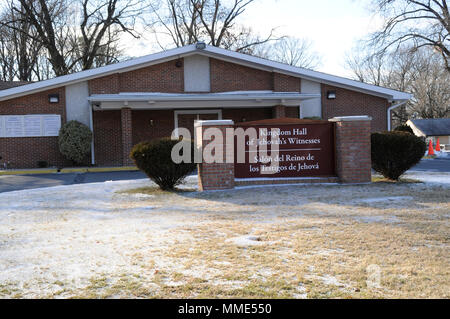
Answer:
x=294 y=149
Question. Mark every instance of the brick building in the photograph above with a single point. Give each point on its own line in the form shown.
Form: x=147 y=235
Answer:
x=150 y=96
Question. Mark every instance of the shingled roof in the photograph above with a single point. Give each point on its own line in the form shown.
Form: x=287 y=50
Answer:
x=12 y=84
x=432 y=127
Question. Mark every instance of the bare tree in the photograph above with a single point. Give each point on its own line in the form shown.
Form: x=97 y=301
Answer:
x=292 y=51
x=89 y=41
x=179 y=20
x=18 y=51
x=418 y=23
x=8 y=68
x=420 y=72
x=367 y=67
x=213 y=21
x=430 y=85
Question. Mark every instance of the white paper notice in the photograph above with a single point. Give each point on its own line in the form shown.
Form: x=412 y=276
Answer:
x=14 y=126
x=32 y=125
x=52 y=124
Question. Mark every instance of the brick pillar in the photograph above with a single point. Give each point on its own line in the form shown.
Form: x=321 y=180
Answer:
x=353 y=161
x=278 y=111
x=127 y=140
x=214 y=176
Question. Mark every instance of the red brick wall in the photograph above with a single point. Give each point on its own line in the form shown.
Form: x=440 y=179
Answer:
x=286 y=83
x=127 y=135
x=163 y=77
x=349 y=103
x=25 y=152
x=107 y=138
x=353 y=160
x=293 y=112
x=214 y=176
x=108 y=132
x=105 y=85
x=226 y=76
x=168 y=78
x=278 y=111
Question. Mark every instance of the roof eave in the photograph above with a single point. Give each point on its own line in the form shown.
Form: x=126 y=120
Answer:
x=208 y=51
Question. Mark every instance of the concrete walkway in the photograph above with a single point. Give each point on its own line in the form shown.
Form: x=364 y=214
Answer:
x=441 y=165
x=18 y=182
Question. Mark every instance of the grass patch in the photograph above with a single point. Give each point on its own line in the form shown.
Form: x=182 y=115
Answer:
x=315 y=242
x=154 y=190
x=381 y=179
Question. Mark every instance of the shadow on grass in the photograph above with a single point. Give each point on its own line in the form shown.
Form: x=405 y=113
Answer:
x=382 y=193
x=155 y=190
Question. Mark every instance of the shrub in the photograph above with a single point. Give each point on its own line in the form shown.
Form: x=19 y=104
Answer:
x=393 y=153
x=404 y=128
x=154 y=159
x=75 y=141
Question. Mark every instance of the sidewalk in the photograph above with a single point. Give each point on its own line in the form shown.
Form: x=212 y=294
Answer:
x=34 y=171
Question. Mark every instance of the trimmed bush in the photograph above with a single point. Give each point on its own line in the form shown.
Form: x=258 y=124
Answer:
x=393 y=153
x=404 y=128
x=154 y=159
x=75 y=141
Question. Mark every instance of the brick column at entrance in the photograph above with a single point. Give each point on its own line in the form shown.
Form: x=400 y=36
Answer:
x=127 y=139
x=214 y=176
x=353 y=160
x=278 y=111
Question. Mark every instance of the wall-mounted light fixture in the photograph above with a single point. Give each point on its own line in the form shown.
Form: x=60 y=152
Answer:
x=179 y=63
x=151 y=123
x=243 y=119
x=200 y=46
x=331 y=95
x=53 y=98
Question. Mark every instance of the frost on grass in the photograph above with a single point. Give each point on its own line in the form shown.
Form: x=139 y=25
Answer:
x=127 y=239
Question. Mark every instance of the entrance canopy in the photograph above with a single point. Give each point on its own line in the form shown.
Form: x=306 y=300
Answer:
x=158 y=101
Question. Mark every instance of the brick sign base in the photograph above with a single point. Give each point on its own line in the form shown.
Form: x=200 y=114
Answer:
x=340 y=153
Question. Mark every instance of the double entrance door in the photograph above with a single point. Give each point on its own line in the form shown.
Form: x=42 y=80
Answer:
x=186 y=118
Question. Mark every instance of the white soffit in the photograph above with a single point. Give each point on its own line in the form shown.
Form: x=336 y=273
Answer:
x=222 y=100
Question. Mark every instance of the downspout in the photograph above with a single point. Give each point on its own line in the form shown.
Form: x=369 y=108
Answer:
x=91 y=124
x=389 y=112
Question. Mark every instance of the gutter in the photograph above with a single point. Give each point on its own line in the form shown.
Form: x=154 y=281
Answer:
x=200 y=97
x=389 y=112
